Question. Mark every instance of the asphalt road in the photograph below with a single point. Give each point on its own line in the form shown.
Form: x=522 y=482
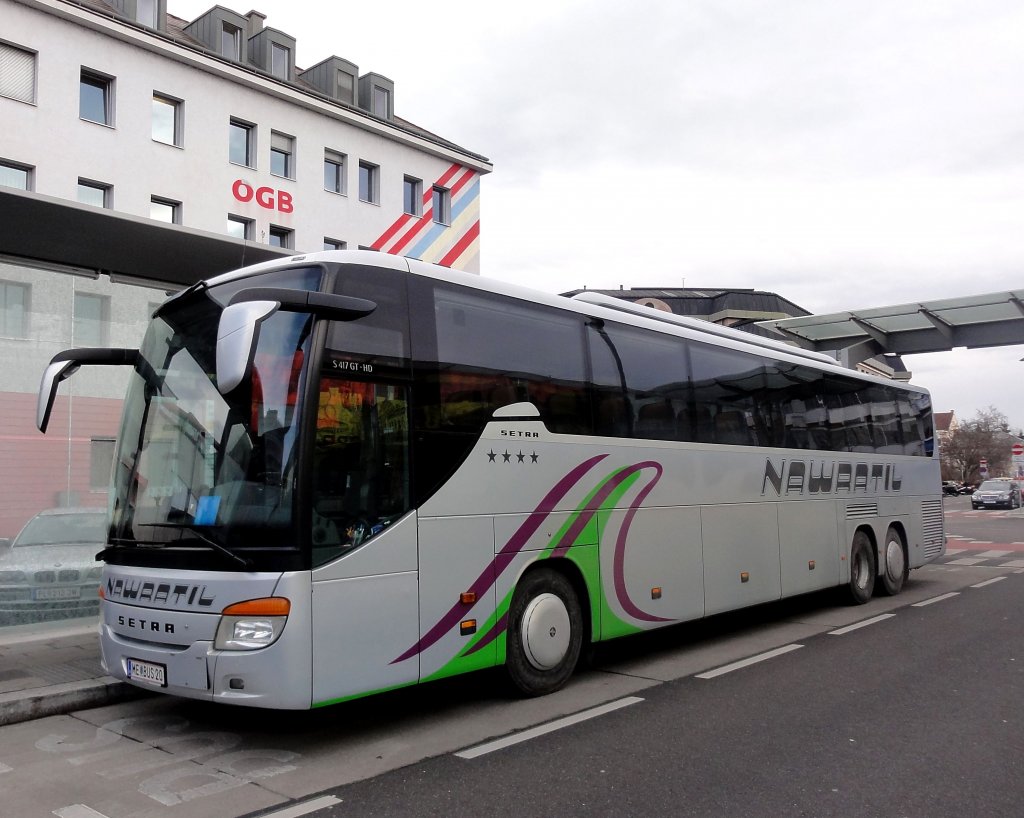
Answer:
x=916 y=713
x=920 y=714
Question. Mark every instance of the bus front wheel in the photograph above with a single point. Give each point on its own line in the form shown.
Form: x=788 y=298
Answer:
x=862 y=569
x=895 y=567
x=545 y=633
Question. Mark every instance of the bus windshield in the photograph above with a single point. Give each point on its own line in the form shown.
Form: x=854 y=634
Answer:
x=197 y=474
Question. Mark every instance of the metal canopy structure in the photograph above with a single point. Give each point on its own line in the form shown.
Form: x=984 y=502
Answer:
x=992 y=319
x=47 y=230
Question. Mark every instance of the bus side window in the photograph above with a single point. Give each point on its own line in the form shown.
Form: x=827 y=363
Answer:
x=360 y=464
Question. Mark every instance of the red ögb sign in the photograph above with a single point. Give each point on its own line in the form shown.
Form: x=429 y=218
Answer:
x=267 y=197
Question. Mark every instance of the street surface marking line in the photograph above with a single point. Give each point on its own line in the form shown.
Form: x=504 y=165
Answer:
x=950 y=595
x=753 y=660
x=78 y=811
x=1012 y=564
x=950 y=551
x=304 y=808
x=992 y=554
x=5 y=769
x=862 y=624
x=966 y=561
x=988 y=582
x=550 y=727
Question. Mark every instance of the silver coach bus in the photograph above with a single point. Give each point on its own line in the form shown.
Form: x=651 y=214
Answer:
x=347 y=472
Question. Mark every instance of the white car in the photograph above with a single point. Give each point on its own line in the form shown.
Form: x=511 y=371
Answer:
x=49 y=571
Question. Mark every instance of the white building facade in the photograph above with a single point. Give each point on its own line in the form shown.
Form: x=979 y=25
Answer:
x=140 y=153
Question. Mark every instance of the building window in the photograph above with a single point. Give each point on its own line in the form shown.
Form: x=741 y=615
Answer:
x=166 y=120
x=346 y=86
x=165 y=210
x=441 y=204
x=14 y=309
x=101 y=458
x=334 y=172
x=96 y=98
x=96 y=194
x=282 y=237
x=240 y=227
x=91 y=320
x=279 y=59
x=381 y=102
x=242 y=143
x=15 y=175
x=282 y=151
x=369 y=182
x=231 y=42
x=145 y=13
x=17 y=73
x=412 y=196
x=334 y=244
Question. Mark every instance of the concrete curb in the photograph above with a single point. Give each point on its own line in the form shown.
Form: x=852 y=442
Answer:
x=53 y=700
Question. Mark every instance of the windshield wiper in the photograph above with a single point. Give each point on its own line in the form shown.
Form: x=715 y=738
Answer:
x=199 y=535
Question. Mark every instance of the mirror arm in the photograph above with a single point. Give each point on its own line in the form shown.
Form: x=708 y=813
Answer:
x=322 y=305
x=65 y=364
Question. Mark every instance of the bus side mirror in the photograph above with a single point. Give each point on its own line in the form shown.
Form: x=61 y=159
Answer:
x=239 y=327
x=237 y=334
x=65 y=364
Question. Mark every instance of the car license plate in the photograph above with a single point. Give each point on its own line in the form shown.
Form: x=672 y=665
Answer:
x=147 y=672
x=40 y=594
x=990 y=500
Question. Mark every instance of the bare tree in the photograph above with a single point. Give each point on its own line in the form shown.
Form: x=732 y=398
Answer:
x=986 y=436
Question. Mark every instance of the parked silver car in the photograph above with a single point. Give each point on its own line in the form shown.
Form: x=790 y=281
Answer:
x=994 y=493
x=49 y=571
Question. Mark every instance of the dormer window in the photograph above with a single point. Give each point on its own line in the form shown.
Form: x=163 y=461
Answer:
x=279 y=59
x=231 y=42
x=146 y=12
x=346 y=86
x=381 y=102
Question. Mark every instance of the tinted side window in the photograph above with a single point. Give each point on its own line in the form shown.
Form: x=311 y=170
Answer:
x=725 y=384
x=641 y=383
x=493 y=351
x=378 y=340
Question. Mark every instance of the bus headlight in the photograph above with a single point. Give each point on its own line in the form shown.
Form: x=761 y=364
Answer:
x=253 y=624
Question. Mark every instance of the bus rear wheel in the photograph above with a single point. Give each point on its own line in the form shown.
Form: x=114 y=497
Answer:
x=895 y=567
x=862 y=569
x=545 y=633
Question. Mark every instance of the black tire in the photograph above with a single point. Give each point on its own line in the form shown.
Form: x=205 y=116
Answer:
x=862 y=569
x=895 y=565
x=540 y=655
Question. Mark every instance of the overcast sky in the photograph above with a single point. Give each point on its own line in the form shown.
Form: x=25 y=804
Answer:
x=841 y=154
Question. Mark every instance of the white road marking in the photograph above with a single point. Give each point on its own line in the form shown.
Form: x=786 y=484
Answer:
x=862 y=624
x=5 y=769
x=753 y=660
x=988 y=582
x=992 y=554
x=304 y=808
x=1013 y=564
x=78 y=811
x=550 y=727
x=965 y=561
x=950 y=595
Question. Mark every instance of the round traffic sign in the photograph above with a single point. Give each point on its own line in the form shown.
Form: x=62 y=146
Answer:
x=1018 y=449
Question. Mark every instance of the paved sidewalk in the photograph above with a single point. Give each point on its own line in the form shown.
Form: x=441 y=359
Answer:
x=53 y=668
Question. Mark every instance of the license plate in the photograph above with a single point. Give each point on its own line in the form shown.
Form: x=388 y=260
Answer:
x=40 y=594
x=990 y=500
x=147 y=672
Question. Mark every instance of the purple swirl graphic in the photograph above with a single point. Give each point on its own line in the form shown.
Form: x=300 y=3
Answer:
x=512 y=547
